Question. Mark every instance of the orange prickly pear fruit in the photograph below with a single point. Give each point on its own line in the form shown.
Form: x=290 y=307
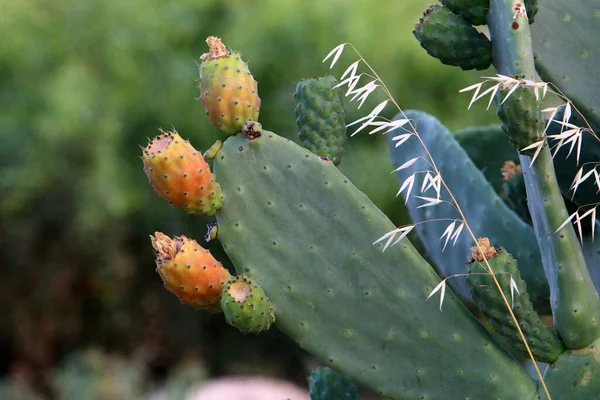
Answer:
x=179 y=174
x=228 y=91
x=189 y=271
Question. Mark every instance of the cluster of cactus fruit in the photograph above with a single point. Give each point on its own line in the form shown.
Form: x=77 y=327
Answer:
x=300 y=234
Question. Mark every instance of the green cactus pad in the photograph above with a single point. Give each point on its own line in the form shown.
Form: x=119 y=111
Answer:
x=575 y=374
x=298 y=227
x=565 y=42
x=521 y=116
x=566 y=166
x=326 y=384
x=472 y=10
x=488 y=147
x=321 y=117
x=532 y=9
x=543 y=342
x=246 y=306
x=487 y=214
x=451 y=39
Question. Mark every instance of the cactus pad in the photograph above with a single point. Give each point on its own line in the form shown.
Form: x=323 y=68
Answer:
x=452 y=39
x=298 y=227
x=321 y=117
x=246 y=306
x=487 y=214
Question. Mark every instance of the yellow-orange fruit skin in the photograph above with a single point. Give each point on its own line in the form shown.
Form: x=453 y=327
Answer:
x=191 y=272
x=228 y=92
x=179 y=174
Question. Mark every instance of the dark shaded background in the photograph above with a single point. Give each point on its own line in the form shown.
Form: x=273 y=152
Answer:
x=83 y=84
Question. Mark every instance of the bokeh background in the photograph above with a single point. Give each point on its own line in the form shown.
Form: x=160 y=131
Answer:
x=83 y=84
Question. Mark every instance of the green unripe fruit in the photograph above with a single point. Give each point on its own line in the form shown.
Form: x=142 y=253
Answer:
x=475 y=11
x=521 y=116
x=452 y=39
x=472 y=10
x=542 y=341
x=246 y=306
x=321 y=117
x=326 y=384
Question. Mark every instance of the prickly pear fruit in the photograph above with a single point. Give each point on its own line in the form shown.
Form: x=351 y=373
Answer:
x=321 y=117
x=452 y=39
x=472 y=10
x=521 y=116
x=326 y=384
x=513 y=190
x=189 y=271
x=228 y=91
x=179 y=174
x=246 y=306
x=543 y=342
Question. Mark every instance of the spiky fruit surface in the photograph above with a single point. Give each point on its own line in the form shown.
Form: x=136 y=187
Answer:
x=228 y=91
x=179 y=174
x=472 y=10
x=543 y=342
x=326 y=384
x=246 y=306
x=321 y=117
x=521 y=116
x=189 y=271
x=452 y=39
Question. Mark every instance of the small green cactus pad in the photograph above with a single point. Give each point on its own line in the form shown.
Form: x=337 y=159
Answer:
x=565 y=43
x=452 y=39
x=472 y=10
x=321 y=117
x=246 y=306
x=300 y=228
x=575 y=374
x=488 y=147
x=487 y=214
x=326 y=384
x=543 y=342
x=521 y=116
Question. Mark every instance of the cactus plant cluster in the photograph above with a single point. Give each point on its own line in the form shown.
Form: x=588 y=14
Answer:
x=314 y=255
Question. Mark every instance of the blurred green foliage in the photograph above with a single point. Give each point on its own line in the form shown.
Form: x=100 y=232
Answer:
x=83 y=84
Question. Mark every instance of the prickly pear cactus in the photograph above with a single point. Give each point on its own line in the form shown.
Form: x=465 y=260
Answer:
x=228 y=91
x=452 y=39
x=321 y=117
